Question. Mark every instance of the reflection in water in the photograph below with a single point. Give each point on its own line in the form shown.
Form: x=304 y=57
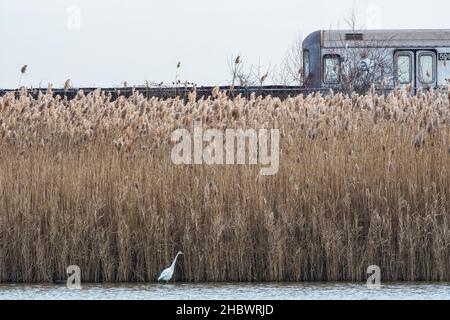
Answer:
x=300 y=291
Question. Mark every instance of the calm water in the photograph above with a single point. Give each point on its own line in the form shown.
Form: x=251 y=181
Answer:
x=301 y=291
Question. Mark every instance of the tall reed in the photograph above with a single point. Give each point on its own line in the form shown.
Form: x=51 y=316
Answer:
x=363 y=180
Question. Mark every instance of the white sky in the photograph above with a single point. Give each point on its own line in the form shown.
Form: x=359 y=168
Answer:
x=138 y=40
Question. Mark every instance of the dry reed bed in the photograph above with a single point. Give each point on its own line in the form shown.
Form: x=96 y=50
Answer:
x=363 y=180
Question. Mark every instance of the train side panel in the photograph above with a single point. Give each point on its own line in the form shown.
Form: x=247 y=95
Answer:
x=443 y=66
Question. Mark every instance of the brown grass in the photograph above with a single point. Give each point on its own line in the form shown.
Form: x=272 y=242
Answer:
x=363 y=180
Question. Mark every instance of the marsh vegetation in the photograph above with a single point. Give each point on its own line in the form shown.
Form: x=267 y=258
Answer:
x=363 y=180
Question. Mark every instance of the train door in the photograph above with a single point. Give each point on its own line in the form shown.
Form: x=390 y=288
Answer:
x=426 y=75
x=416 y=67
x=404 y=68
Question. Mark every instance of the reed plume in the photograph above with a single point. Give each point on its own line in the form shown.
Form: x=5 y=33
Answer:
x=23 y=70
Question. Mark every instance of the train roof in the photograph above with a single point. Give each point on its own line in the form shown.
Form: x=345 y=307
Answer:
x=387 y=38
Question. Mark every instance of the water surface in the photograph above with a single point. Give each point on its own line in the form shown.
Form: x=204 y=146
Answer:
x=224 y=291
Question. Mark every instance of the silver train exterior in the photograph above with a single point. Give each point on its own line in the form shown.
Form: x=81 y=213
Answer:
x=420 y=58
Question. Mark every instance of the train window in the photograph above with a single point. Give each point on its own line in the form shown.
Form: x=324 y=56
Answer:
x=354 y=36
x=306 y=64
x=331 y=68
x=404 y=67
x=427 y=67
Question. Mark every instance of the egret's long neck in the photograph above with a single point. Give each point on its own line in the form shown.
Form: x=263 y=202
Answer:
x=174 y=261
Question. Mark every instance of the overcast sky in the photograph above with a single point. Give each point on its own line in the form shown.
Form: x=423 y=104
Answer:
x=105 y=42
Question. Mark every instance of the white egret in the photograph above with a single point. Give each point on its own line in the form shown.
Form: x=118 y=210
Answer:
x=167 y=274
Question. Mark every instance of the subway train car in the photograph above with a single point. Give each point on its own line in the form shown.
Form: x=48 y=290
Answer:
x=347 y=59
